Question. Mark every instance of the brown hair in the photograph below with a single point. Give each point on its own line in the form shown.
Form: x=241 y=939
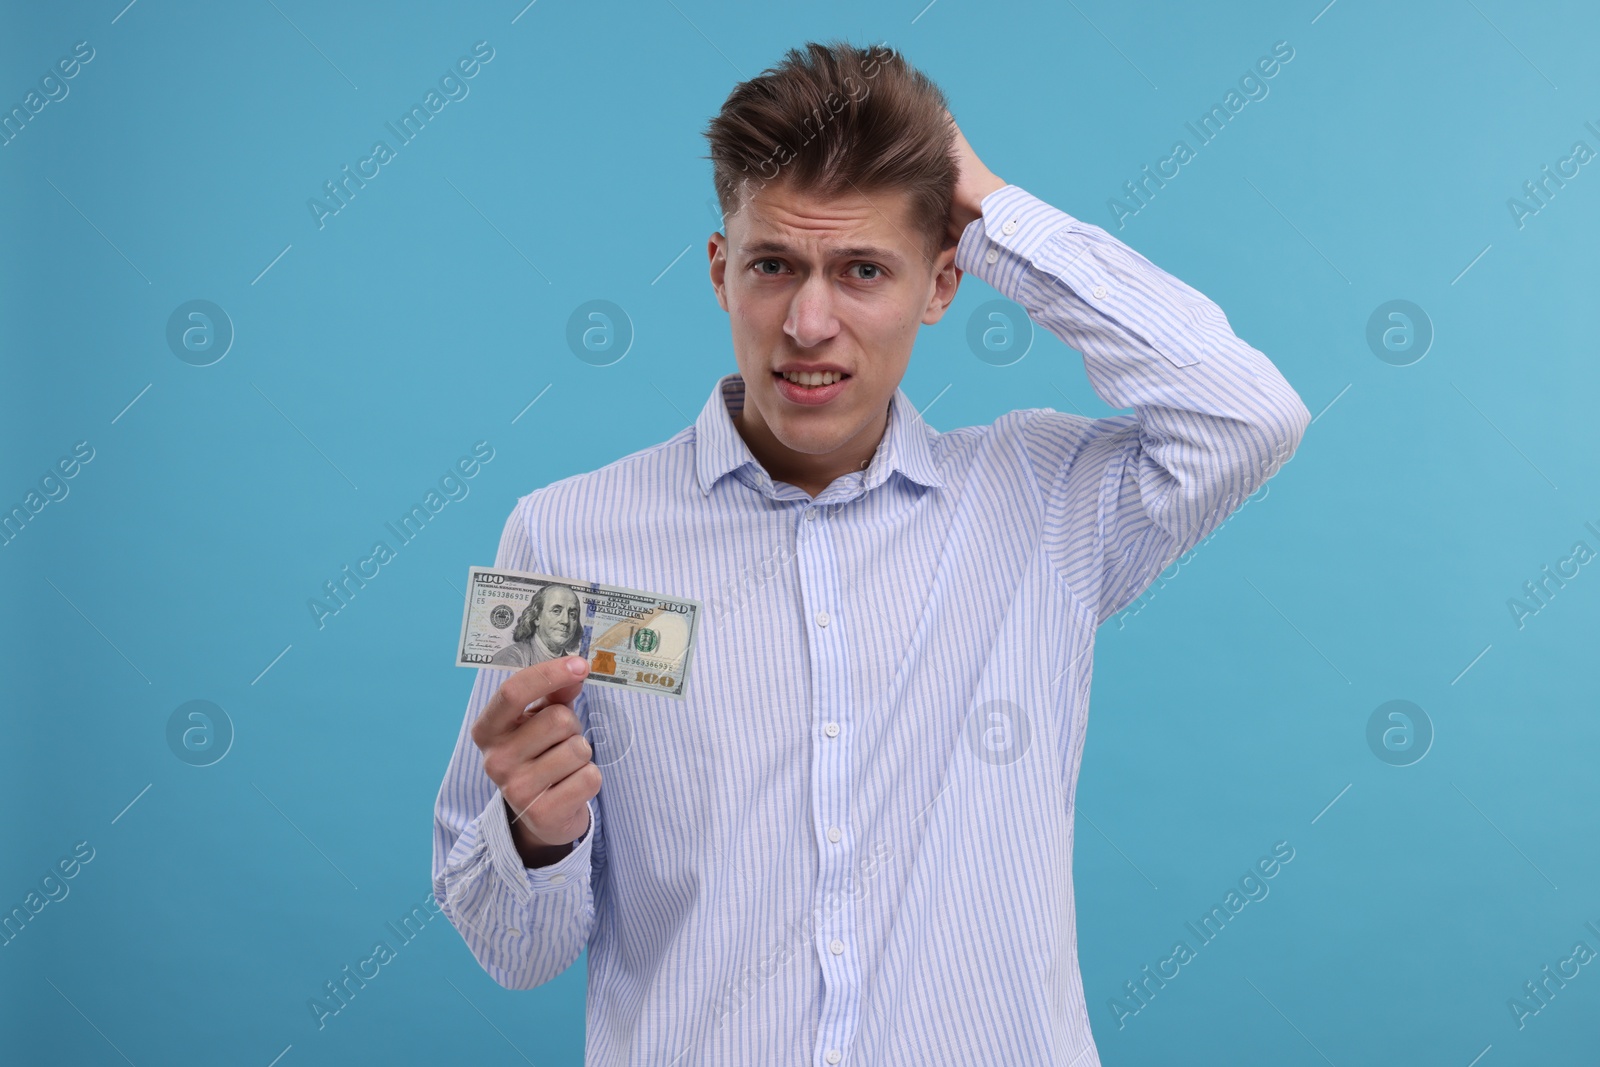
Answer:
x=834 y=119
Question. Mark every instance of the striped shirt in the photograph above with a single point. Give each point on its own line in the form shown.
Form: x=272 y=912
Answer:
x=852 y=842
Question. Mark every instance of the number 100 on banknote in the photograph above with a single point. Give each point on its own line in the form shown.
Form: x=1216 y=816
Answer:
x=630 y=637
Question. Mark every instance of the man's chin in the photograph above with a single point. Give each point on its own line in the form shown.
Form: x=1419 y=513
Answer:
x=817 y=432
x=812 y=435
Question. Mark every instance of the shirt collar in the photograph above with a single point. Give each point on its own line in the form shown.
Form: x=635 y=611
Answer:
x=906 y=446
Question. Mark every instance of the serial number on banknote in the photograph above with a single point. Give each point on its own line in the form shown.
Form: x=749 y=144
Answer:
x=630 y=637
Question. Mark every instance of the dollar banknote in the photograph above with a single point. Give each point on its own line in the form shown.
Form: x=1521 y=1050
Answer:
x=630 y=637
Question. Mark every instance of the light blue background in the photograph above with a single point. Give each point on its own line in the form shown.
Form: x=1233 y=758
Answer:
x=1230 y=706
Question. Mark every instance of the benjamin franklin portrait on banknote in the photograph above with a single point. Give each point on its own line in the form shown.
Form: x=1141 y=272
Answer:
x=549 y=627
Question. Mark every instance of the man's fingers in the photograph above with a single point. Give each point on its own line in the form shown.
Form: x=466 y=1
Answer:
x=534 y=776
x=553 y=803
x=548 y=728
x=540 y=751
x=562 y=697
x=505 y=708
x=566 y=694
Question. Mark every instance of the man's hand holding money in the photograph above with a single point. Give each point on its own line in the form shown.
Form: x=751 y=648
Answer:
x=535 y=752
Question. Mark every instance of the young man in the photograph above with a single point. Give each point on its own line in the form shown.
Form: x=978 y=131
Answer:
x=852 y=842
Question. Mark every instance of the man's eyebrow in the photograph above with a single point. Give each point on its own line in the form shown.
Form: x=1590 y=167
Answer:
x=856 y=252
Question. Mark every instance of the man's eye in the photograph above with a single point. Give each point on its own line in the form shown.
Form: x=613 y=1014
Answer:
x=876 y=271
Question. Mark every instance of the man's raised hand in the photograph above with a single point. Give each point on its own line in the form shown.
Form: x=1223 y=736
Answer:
x=974 y=181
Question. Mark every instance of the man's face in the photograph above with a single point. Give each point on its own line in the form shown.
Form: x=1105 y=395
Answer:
x=558 y=620
x=813 y=284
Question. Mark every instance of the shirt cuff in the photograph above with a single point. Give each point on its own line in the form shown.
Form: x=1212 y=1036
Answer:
x=999 y=245
x=495 y=831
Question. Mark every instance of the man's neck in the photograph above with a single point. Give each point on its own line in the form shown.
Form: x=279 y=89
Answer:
x=809 y=473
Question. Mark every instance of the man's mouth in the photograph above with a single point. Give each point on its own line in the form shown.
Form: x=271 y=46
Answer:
x=811 y=379
x=812 y=388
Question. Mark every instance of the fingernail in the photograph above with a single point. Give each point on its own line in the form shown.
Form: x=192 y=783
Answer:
x=578 y=666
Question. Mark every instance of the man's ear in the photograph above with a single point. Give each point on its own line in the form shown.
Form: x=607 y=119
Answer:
x=946 y=280
x=717 y=250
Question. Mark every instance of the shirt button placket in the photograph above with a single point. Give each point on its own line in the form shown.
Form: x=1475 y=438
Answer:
x=831 y=711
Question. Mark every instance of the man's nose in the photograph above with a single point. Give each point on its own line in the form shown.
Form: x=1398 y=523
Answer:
x=811 y=319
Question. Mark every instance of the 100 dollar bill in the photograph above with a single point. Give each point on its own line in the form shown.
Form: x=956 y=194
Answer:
x=630 y=638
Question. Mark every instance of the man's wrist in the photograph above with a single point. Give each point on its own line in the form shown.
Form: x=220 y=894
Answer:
x=534 y=855
x=968 y=207
x=533 y=859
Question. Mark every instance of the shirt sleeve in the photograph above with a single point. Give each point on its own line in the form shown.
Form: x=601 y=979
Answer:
x=524 y=926
x=1213 y=419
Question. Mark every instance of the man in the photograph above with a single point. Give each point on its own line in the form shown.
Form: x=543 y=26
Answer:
x=852 y=841
x=548 y=627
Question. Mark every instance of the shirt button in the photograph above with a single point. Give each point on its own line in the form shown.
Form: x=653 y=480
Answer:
x=991 y=256
x=1009 y=228
x=831 y=729
x=811 y=515
x=836 y=946
x=834 y=834
x=834 y=1056
x=1099 y=292
x=557 y=879
x=823 y=618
